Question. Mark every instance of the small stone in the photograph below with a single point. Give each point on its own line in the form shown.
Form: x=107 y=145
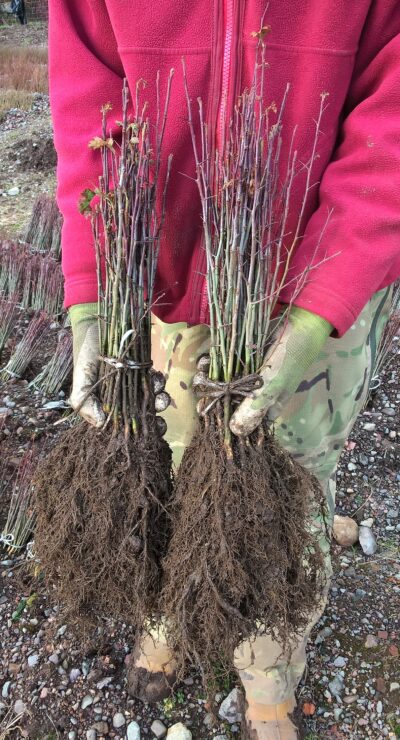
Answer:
x=44 y=692
x=389 y=411
x=363 y=459
x=118 y=720
x=13 y=191
x=101 y=727
x=33 y=660
x=392 y=514
x=345 y=530
x=86 y=701
x=133 y=731
x=369 y=426
x=350 y=699
x=351 y=467
x=72 y=735
x=91 y=735
x=367 y=541
x=158 y=729
x=382 y=634
x=5 y=690
x=394 y=686
x=337 y=712
x=380 y=685
x=336 y=686
x=220 y=737
x=54 y=658
x=74 y=674
x=371 y=641
x=367 y=522
x=19 y=707
x=339 y=662
x=379 y=707
x=393 y=650
x=104 y=682
x=230 y=707
x=179 y=732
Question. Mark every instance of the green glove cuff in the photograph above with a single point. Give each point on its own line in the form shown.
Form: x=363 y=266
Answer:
x=82 y=315
x=314 y=330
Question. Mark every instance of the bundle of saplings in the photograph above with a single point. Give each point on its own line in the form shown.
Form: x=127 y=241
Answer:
x=243 y=559
x=102 y=495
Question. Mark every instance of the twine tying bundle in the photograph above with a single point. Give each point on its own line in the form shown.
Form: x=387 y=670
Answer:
x=206 y=388
x=125 y=364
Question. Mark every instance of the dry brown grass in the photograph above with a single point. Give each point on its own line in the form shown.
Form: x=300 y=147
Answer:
x=23 y=69
x=14 y=99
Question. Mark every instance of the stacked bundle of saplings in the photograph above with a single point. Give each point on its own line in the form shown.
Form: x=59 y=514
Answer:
x=102 y=495
x=242 y=545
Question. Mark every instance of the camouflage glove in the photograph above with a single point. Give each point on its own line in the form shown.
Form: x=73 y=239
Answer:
x=294 y=349
x=85 y=335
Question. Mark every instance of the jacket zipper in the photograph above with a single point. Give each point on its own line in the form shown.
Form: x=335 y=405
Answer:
x=228 y=23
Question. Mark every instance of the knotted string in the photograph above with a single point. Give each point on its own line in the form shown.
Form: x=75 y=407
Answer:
x=125 y=364
x=217 y=390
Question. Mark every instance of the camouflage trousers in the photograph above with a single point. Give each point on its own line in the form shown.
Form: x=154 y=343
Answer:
x=313 y=427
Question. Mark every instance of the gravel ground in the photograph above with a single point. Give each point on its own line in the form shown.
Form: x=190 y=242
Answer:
x=55 y=684
x=59 y=684
x=33 y=33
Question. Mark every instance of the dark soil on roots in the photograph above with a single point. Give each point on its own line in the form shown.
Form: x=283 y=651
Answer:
x=242 y=558
x=102 y=526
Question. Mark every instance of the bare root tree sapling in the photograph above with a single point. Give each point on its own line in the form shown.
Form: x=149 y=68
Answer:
x=102 y=496
x=243 y=558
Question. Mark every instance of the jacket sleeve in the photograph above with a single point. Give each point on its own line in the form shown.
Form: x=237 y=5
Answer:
x=85 y=72
x=359 y=195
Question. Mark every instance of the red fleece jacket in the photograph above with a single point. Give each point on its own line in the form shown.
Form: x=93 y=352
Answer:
x=350 y=50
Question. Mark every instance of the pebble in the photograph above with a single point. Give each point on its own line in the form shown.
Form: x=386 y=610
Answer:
x=86 y=701
x=158 y=729
x=104 y=682
x=179 y=732
x=379 y=707
x=230 y=707
x=389 y=411
x=351 y=467
x=367 y=541
x=54 y=658
x=33 y=660
x=336 y=686
x=72 y=735
x=367 y=522
x=369 y=426
x=392 y=514
x=13 y=191
x=220 y=737
x=91 y=735
x=5 y=690
x=371 y=641
x=101 y=727
x=363 y=459
x=345 y=530
x=19 y=707
x=118 y=720
x=133 y=731
x=339 y=662
x=74 y=674
x=394 y=686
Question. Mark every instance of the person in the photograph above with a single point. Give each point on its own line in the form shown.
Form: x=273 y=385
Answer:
x=316 y=377
x=18 y=8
